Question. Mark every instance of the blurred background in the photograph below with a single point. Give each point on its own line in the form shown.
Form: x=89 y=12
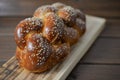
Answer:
x=102 y=59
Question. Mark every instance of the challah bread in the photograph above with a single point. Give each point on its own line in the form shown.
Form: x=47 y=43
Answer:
x=45 y=39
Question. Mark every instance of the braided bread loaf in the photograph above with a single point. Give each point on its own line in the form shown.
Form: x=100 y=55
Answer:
x=45 y=39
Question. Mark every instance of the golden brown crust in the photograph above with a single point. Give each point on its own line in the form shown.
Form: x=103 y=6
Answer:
x=68 y=14
x=45 y=39
x=80 y=15
x=41 y=11
x=58 y=5
x=71 y=33
x=24 y=27
x=80 y=26
x=53 y=27
x=39 y=55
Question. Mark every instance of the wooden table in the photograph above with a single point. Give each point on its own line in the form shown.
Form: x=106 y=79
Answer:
x=101 y=62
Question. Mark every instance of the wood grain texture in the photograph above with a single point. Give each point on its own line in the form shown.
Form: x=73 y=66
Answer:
x=102 y=8
x=95 y=72
x=104 y=51
x=8 y=24
x=112 y=28
x=7 y=47
x=60 y=71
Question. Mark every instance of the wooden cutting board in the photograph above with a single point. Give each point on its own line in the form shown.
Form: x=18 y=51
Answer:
x=11 y=71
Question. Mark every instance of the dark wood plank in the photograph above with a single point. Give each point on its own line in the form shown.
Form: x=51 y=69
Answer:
x=7 y=47
x=112 y=28
x=95 y=72
x=104 y=50
x=102 y=8
x=8 y=24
